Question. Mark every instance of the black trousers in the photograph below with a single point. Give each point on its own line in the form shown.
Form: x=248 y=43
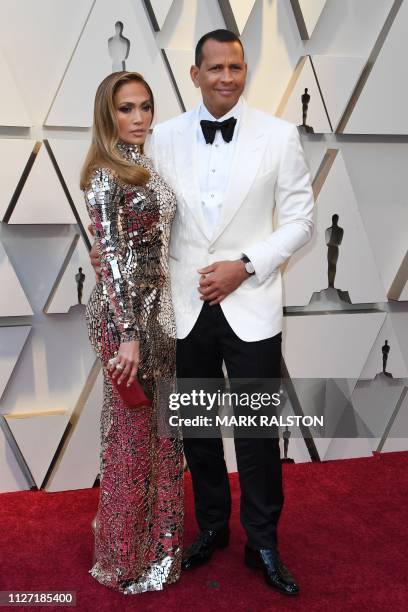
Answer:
x=200 y=355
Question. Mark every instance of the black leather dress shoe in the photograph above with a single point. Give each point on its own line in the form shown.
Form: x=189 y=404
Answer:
x=202 y=549
x=275 y=573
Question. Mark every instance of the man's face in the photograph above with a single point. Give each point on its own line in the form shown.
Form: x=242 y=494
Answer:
x=221 y=76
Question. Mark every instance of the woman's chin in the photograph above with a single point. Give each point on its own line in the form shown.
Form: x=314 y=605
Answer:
x=135 y=140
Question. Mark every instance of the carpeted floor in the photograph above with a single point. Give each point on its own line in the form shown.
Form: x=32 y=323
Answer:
x=344 y=534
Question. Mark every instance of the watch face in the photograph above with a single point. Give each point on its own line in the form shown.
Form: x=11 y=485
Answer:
x=249 y=267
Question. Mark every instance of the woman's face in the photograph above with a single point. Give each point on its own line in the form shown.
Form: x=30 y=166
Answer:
x=133 y=112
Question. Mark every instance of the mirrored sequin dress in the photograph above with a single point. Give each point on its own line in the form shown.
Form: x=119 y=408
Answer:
x=138 y=533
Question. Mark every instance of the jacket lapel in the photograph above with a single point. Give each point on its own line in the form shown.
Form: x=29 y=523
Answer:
x=186 y=163
x=248 y=154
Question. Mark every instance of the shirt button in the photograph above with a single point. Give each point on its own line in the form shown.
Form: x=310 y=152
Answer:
x=211 y=250
x=216 y=145
x=212 y=195
x=213 y=170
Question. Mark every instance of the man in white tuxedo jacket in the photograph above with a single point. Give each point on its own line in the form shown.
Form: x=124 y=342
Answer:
x=244 y=206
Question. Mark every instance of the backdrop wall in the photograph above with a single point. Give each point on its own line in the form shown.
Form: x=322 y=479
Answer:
x=350 y=54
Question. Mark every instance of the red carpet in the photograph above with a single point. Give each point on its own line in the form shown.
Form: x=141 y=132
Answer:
x=344 y=535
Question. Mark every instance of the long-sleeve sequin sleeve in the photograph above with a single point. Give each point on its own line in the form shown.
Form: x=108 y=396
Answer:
x=103 y=201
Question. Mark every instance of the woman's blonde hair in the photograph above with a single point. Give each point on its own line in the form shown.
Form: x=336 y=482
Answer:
x=103 y=151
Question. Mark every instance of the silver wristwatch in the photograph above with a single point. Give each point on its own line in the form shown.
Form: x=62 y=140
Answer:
x=249 y=266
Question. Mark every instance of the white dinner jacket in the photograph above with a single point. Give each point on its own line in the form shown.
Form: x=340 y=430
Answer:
x=269 y=175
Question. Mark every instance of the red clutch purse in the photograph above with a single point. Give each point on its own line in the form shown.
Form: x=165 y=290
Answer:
x=134 y=395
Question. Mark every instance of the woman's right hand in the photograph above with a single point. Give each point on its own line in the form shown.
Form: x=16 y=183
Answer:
x=128 y=359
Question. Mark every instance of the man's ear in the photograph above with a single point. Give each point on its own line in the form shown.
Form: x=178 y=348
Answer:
x=194 y=71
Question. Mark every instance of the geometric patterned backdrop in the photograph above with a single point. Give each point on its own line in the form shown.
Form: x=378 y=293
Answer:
x=351 y=55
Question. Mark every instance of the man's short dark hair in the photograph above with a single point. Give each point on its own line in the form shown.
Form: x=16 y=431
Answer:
x=219 y=36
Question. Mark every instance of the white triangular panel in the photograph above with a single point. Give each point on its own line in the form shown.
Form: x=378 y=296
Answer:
x=381 y=107
x=315 y=150
x=397 y=439
x=66 y=293
x=38 y=437
x=339 y=420
x=331 y=345
x=16 y=151
x=378 y=174
x=352 y=434
x=399 y=321
x=11 y=477
x=240 y=10
x=347 y=448
x=160 y=9
x=316 y=115
x=70 y=155
x=272 y=52
x=324 y=354
x=79 y=463
x=404 y=294
x=357 y=272
x=395 y=362
x=180 y=61
x=375 y=402
x=12 y=108
x=13 y=301
x=91 y=63
x=337 y=77
x=12 y=340
x=311 y=11
x=329 y=398
x=42 y=200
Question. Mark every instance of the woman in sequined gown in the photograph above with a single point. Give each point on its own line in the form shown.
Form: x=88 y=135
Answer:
x=130 y=318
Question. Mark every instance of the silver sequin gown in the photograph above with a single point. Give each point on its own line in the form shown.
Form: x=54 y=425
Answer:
x=138 y=533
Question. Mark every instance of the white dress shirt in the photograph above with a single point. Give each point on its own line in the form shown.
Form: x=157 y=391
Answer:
x=214 y=164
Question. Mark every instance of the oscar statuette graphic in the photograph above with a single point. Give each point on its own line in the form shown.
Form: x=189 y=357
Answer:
x=305 y=99
x=119 y=47
x=385 y=349
x=286 y=437
x=79 y=279
x=332 y=296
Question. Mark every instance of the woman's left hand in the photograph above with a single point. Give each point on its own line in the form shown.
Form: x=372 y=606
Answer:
x=128 y=359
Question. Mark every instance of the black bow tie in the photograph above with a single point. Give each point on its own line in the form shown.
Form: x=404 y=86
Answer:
x=210 y=127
